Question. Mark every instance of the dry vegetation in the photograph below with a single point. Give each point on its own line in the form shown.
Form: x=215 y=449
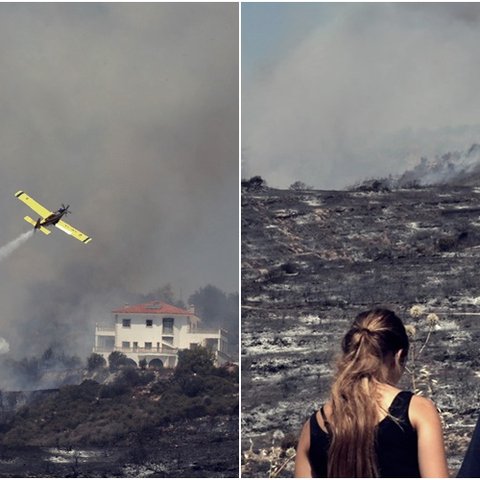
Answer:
x=132 y=403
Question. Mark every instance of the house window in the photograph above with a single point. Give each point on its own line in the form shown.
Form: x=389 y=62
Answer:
x=125 y=344
x=148 y=345
x=167 y=326
x=126 y=323
x=149 y=323
x=168 y=340
x=106 y=342
x=135 y=345
x=193 y=345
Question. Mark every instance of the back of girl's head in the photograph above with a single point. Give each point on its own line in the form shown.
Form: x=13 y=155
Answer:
x=377 y=333
x=369 y=351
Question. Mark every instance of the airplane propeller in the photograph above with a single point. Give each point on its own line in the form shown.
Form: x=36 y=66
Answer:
x=66 y=209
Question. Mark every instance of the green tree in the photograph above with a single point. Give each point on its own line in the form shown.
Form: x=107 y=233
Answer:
x=197 y=360
x=95 y=362
x=116 y=360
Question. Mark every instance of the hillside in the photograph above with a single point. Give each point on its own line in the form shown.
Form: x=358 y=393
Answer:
x=312 y=260
x=135 y=423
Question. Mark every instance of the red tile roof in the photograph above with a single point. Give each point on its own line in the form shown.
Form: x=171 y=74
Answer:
x=154 y=307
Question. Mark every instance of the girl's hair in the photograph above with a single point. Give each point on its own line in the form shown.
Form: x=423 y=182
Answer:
x=368 y=348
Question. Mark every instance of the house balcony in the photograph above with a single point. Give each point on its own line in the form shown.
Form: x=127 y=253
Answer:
x=208 y=331
x=205 y=331
x=103 y=330
x=141 y=350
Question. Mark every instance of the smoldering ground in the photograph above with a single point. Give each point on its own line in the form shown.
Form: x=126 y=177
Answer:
x=129 y=113
x=368 y=92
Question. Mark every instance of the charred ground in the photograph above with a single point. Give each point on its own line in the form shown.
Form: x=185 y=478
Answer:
x=127 y=422
x=312 y=260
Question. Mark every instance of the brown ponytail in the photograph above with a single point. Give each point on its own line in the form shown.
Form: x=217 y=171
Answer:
x=373 y=336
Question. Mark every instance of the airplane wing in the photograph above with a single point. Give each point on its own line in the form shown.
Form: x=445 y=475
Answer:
x=69 y=230
x=34 y=205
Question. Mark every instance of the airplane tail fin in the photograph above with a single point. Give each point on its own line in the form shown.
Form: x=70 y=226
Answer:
x=36 y=225
x=30 y=221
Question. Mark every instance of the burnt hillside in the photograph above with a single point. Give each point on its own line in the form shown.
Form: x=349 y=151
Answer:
x=126 y=422
x=312 y=260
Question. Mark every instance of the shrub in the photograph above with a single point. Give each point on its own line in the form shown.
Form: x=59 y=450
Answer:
x=195 y=411
x=160 y=387
x=146 y=378
x=215 y=385
x=87 y=390
x=298 y=185
x=228 y=370
x=195 y=360
x=192 y=385
x=114 y=389
x=130 y=376
x=116 y=360
x=95 y=362
x=254 y=183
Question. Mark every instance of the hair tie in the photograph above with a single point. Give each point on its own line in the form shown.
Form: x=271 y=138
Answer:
x=365 y=330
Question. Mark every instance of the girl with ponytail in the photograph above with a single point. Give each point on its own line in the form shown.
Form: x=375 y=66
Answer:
x=369 y=427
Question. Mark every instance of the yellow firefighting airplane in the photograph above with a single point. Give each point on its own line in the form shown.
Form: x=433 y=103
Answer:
x=50 y=218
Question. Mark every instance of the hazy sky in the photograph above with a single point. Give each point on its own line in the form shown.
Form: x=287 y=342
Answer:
x=334 y=93
x=129 y=113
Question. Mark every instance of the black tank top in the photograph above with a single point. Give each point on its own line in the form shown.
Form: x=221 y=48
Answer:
x=397 y=452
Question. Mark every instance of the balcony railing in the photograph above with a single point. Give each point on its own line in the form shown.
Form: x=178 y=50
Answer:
x=101 y=328
x=206 y=331
x=172 y=351
x=212 y=331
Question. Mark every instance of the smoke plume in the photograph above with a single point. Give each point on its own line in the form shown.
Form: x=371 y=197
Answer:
x=456 y=168
x=10 y=247
x=365 y=94
x=459 y=168
x=4 y=346
x=129 y=113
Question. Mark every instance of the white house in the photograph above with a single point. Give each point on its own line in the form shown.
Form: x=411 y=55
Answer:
x=156 y=331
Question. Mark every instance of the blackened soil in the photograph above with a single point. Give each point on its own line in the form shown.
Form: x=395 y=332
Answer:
x=312 y=260
x=202 y=448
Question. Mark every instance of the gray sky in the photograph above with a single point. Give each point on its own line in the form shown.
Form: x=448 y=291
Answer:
x=334 y=93
x=129 y=113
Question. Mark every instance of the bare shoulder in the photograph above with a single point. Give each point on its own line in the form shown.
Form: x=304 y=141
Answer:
x=306 y=427
x=422 y=410
x=303 y=468
x=422 y=404
x=304 y=440
x=425 y=419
